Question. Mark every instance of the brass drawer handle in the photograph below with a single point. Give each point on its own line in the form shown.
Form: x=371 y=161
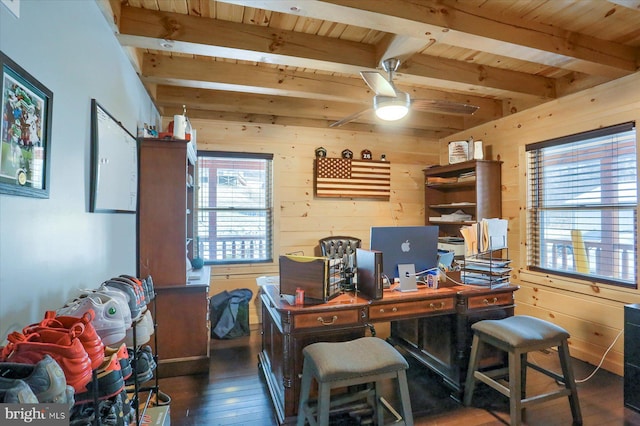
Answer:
x=394 y=309
x=490 y=302
x=323 y=322
x=441 y=306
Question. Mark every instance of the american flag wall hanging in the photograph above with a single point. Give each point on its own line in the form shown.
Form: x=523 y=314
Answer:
x=348 y=178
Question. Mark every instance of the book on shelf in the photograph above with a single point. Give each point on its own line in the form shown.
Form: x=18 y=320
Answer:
x=434 y=180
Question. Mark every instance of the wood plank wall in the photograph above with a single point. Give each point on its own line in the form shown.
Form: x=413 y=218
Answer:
x=301 y=219
x=591 y=312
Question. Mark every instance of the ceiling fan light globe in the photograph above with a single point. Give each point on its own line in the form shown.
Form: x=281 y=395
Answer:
x=391 y=108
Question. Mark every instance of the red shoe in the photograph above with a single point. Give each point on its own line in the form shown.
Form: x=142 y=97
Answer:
x=109 y=381
x=89 y=338
x=63 y=346
x=122 y=355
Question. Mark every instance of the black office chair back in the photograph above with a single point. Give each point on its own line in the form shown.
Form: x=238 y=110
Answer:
x=339 y=246
x=342 y=248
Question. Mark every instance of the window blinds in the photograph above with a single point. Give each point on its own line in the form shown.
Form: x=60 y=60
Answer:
x=582 y=205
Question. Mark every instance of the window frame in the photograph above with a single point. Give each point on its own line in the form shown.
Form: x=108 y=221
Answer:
x=535 y=240
x=267 y=209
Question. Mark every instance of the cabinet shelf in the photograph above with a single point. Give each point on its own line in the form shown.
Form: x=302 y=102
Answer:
x=479 y=197
x=452 y=185
x=451 y=222
x=453 y=206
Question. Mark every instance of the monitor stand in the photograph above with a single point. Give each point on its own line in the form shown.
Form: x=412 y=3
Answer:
x=407 y=275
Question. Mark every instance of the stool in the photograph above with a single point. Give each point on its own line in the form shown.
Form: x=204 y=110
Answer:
x=367 y=360
x=518 y=335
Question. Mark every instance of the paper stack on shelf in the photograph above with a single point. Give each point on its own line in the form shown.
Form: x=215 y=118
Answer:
x=457 y=216
x=466 y=177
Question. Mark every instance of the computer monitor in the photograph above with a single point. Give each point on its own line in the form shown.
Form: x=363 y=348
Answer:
x=417 y=245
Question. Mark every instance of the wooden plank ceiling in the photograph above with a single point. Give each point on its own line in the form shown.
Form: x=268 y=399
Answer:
x=299 y=62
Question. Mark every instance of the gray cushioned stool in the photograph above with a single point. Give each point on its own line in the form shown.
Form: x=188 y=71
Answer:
x=519 y=335
x=368 y=360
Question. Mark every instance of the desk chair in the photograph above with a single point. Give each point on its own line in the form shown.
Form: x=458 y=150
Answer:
x=342 y=248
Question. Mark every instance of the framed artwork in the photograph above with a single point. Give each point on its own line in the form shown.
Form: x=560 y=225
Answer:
x=25 y=150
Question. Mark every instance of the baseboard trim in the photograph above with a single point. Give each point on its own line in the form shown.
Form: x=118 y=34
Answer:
x=183 y=366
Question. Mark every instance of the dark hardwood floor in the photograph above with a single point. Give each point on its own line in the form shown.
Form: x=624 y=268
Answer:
x=234 y=393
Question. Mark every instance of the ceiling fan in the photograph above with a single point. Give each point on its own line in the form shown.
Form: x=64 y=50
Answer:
x=391 y=104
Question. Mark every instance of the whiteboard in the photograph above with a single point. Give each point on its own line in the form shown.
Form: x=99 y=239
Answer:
x=114 y=172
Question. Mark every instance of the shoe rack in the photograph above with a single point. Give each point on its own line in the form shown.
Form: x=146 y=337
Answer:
x=137 y=388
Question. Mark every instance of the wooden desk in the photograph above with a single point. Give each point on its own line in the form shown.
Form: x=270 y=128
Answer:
x=431 y=325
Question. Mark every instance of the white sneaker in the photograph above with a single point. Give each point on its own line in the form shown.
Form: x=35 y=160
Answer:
x=118 y=296
x=109 y=321
x=143 y=329
x=148 y=319
x=130 y=293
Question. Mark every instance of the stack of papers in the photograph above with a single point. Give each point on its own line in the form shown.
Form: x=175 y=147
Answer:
x=457 y=216
x=486 y=235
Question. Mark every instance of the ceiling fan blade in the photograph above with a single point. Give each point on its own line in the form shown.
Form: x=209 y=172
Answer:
x=437 y=105
x=378 y=83
x=348 y=118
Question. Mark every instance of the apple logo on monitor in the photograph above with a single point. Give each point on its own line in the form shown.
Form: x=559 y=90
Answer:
x=406 y=246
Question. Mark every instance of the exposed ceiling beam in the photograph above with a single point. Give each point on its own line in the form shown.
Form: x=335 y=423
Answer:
x=194 y=115
x=217 y=75
x=281 y=106
x=211 y=37
x=459 y=24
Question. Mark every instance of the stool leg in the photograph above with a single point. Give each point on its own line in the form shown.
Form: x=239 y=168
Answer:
x=305 y=390
x=470 y=383
x=324 y=402
x=515 y=387
x=377 y=404
x=404 y=397
x=569 y=381
x=524 y=363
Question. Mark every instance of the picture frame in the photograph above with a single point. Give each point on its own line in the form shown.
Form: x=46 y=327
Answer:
x=458 y=151
x=25 y=139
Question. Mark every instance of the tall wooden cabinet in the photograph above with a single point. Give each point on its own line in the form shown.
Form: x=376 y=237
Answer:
x=632 y=356
x=165 y=230
x=471 y=186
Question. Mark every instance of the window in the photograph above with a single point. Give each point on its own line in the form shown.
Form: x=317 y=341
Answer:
x=234 y=207
x=582 y=205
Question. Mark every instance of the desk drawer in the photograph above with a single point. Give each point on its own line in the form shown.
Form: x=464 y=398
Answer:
x=326 y=319
x=390 y=311
x=488 y=300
